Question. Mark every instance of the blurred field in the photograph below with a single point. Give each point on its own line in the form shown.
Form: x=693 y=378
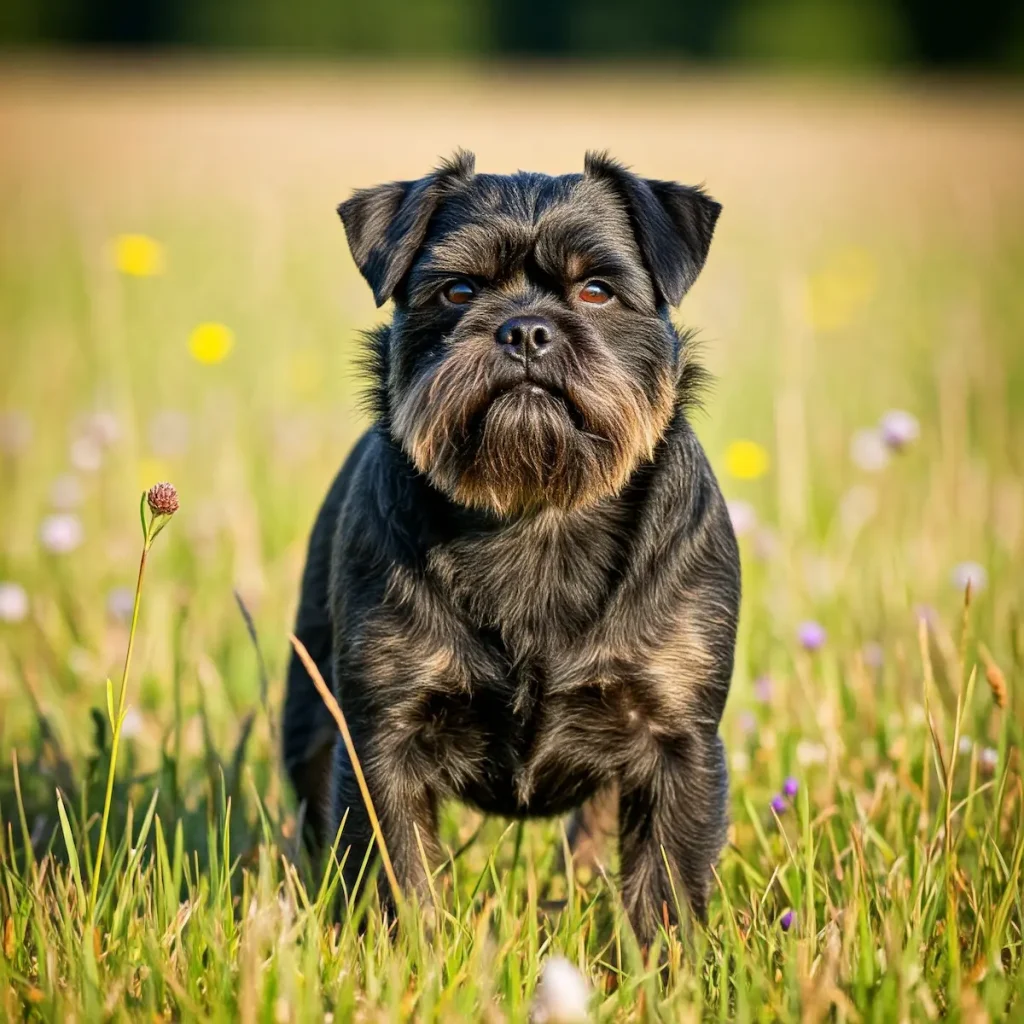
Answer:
x=870 y=258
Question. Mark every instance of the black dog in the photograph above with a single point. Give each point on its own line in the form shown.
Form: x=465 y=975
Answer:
x=523 y=582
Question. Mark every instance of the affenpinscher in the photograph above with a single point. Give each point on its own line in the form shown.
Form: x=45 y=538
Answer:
x=523 y=584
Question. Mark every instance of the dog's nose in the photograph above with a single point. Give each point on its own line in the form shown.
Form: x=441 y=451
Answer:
x=525 y=337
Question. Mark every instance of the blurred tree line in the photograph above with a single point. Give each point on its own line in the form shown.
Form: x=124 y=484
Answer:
x=982 y=34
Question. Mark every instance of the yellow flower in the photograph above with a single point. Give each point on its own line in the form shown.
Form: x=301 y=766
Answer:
x=138 y=255
x=746 y=460
x=840 y=288
x=210 y=343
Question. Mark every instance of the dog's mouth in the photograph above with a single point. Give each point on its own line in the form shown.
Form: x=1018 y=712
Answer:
x=533 y=390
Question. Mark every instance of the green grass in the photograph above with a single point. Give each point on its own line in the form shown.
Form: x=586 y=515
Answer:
x=900 y=856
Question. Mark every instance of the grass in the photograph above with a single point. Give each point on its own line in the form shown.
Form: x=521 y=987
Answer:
x=869 y=258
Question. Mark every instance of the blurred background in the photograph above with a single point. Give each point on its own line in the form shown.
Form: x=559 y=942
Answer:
x=177 y=301
x=942 y=35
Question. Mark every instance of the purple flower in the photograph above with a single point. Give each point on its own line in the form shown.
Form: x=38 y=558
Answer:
x=786 y=921
x=790 y=786
x=779 y=804
x=811 y=635
x=899 y=428
x=763 y=689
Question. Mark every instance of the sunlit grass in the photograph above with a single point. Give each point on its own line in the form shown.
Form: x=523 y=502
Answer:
x=205 y=332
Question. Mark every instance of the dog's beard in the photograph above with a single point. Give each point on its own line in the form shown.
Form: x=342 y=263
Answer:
x=492 y=438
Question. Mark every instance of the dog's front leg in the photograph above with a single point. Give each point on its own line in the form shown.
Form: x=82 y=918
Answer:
x=407 y=811
x=672 y=818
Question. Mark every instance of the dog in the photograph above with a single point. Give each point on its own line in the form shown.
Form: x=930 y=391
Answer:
x=523 y=583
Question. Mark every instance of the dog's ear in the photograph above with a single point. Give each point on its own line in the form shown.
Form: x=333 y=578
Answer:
x=386 y=225
x=673 y=223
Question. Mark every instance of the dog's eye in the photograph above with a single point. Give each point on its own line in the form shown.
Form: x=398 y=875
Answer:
x=596 y=292
x=458 y=293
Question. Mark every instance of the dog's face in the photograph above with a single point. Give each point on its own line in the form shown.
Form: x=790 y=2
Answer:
x=531 y=361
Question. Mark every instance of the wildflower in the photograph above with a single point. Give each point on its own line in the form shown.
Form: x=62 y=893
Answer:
x=13 y=601
x=763 y=687
x=808 y=753
x=15 y=432
x=562 y=994
x=811 y=635
x=169 y=433
x=868 y=450
x=740 y=762
x=988 y=758
x=969 y=573
x=790 y=787
x=742 y=516
x=786 y=921
x=65 y=492
x=86 y=454
x=966 y=743
x=121 y=603
x=779 y=804
x=211 y=343
x=132 y=724
x=60 y=533
x=746 y=460
x=899 y=429
x=138 y=255
x=162 y=499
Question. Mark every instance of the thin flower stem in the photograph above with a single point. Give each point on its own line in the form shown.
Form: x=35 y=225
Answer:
x=115 y=741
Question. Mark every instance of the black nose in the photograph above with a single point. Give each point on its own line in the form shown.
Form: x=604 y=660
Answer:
x=525 y=337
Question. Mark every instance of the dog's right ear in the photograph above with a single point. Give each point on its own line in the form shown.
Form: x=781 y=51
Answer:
x=386 y=225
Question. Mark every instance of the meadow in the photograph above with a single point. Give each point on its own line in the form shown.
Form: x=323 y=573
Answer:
x=177 y=302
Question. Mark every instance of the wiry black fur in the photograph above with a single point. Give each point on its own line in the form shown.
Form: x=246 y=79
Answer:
x=523 y=583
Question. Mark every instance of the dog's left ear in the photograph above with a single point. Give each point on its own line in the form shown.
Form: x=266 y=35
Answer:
x=386 y=225
x=673 y=223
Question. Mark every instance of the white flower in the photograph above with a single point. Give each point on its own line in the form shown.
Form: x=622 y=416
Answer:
x=61 y=533
x=740 y=762
x=86 y=454
x=132 y=724
x=989 y=759
x=13 y=602
x=868 y=450
x=65 y=492
x=969 y=572
x=742 y=516
x=966 y=743
x=562 y=994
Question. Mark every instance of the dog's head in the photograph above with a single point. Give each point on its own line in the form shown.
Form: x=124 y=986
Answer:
x=531 y=361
